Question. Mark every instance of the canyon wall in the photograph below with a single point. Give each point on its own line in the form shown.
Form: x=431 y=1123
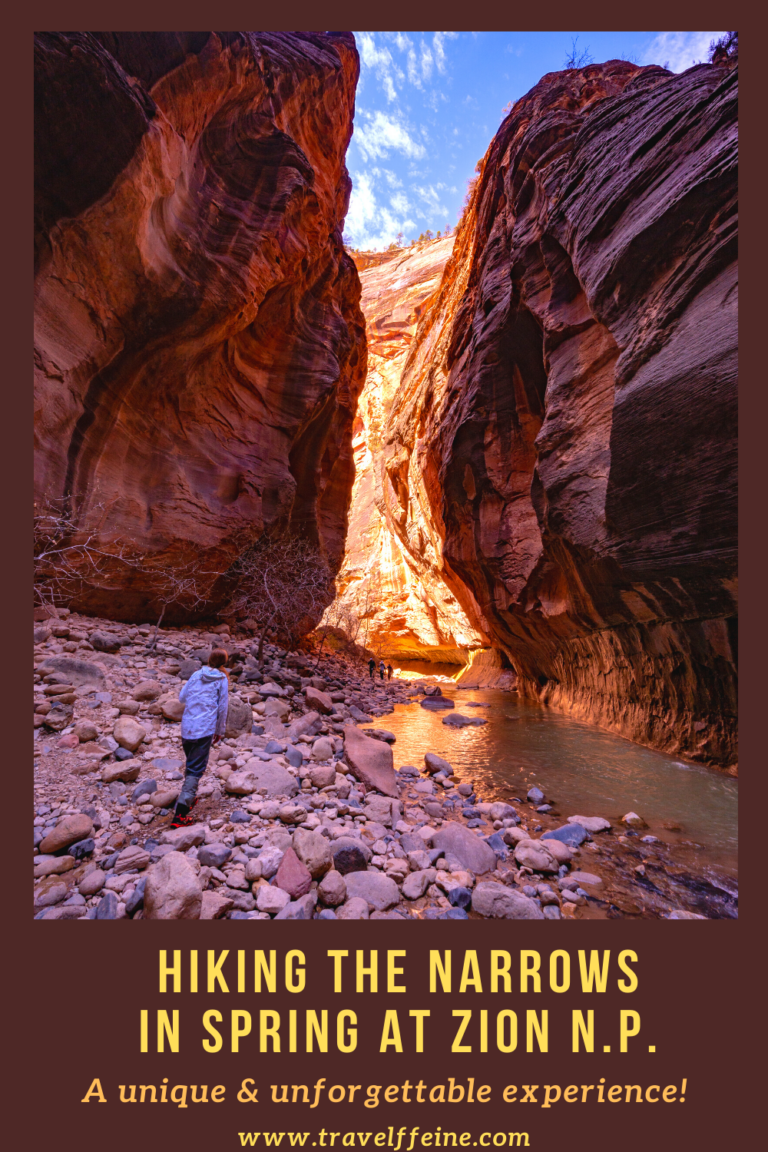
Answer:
x=392 y=597
x=199 y=344
x=564 y=433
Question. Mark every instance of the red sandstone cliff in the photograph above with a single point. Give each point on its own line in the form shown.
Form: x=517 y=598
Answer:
x=199 y=341
x=394 y=598
x=566 y=422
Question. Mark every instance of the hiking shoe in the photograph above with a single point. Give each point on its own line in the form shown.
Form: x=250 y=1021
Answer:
x=182 y=821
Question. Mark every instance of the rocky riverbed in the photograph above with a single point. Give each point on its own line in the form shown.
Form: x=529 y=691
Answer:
x=303 y=813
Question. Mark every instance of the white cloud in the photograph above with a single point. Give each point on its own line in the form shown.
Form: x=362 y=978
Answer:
x=438 y=47
x=381 y=62
x=380 y=134
x=430 y=196
x=370 y=224
x=678 y=50
x=426 y=62
x=400 y=203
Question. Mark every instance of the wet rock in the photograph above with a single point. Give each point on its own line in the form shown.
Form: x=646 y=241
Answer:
x=436 y=703
x=500 y=902
x=435 y=764
x=592 y=824
x=535 y=796
x=459 y=721
x=632 y=820
x=682 y=914
x=587 y=878
x=472 y=852
x=173 y=890
x=534 y=854
x=573 y=835
x=563 y=853
x=380 y=734
x=67 y=831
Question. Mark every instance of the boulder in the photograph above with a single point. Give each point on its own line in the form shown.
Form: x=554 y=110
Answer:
x=130 y=858
x=239 y=718
x=181 y=839
x=377 y=890
x=437 y=703
x=591 y=823
x=384 y=810
x=536 y=855
x=121 y=770
x=503 y=903
x=354 y=909
x=435 y=764
x=381 y=734
x=173 y=889
x=276 y=707
x=213 y=856
x=350 y=855
x=86 y=730
x=323 y=775
x=171 y=707
x=322 y=749
x=67 y=831
x=147 y=690
x=332 y=889
x=458 y=721
x=563 y=853
x=241 y=783
x=573 y=835
x=104 y=642
x=473 y=853
x=293 y=876
x=79 y=673
x=215 y=905
x=319 y=701
x=271 y=779
x=586 y=878
x=314 y=851
x=302 y=725
x=53 y=865
x=632 y=820
x=370 y=761
x=128 y=733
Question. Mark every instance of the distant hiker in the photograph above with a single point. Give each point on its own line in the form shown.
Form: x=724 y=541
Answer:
x=382 y=669
x=371 y=667
x=206 y=696
x=390 y=670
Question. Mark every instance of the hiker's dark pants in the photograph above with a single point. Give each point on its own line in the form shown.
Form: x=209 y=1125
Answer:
x=370 y=673
x=196 y=752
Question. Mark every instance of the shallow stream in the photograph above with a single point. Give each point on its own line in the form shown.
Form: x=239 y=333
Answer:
x=583 y=770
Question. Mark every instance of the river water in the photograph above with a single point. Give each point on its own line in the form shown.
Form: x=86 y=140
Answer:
x=584 y=770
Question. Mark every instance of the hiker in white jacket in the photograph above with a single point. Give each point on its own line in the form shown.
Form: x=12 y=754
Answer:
x=206 y=699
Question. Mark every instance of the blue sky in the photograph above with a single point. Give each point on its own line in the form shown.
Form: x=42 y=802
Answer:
x=429 y=103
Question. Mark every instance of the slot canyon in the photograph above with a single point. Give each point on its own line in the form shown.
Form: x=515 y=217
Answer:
x=267 y=465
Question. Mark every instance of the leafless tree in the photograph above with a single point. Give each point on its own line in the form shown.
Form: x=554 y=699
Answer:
x=68 y=560
x=186 y=585
x=284 y=584
x=576 y=59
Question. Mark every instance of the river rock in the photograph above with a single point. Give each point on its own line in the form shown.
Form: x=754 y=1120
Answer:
x=435 y=764
x=80 y=673
x=303 y=725
x=92 y=883
x=416 y=883
x=324 y=774
x=503 y=903
x=216 y=904
x=586 y=878
x=536 y=855
x=383 y=810
x=301 y=909
x=332 y=889
x=181 y=839
x=53 y=865
x=271 y=780
x=380 y=891
x=350 y=855
x=128 y=733
x=591 y=823
x=572 y=834
x=293 y=876
x=563 y=853
x=172 y=708
x=632 y=820
x=173 y=890
x=276 y=707
x=213 y=855
x=188 y=667
x=125 y=771
x=67 y=831
x=130 y=858
x=322 y=749
x=354 y=909
x=147 y=690
x=371 y=761
x=239 y=718
x=85 y=730
x=317 y=700
x=459 y=721
x=473 y=853
x=314 y=851
x=682 y=914
x=272 y=899
x=269 y=859
x=436 y=703
x=164 y=799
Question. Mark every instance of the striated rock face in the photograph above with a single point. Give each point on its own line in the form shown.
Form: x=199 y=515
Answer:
x=566 y=425
x=199 y=342
x=396 y=593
